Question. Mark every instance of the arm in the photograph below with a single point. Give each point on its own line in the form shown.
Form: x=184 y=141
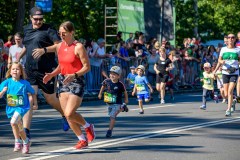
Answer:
x=149 y=86
x=134 y=90
x=125 y=97
x=38 y=52
x=100 y=92
x=3 y=92
x=155 y=69
x=49 y=76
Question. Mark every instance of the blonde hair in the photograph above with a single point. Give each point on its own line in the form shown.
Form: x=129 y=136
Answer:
x=162 y=49
x=23 y=74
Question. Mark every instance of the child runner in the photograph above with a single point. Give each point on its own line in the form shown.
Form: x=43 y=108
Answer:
x=17 y=89
x=220 y=83
x=208 y=88
x=169 y=85
x=113 y=96
x=131 y=77
x=141 y=88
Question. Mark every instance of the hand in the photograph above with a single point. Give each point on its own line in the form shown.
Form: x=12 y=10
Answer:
x=37 y=53
x=47 y=77
x=157 y=72
x=68 y=78
x=100 y=96
x=167 y=69
x=133 y=93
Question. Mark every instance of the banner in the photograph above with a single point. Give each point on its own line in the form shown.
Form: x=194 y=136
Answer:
x=130 y=17
x=46 y=5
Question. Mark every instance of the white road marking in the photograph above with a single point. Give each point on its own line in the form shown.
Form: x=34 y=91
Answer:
x=66 y=151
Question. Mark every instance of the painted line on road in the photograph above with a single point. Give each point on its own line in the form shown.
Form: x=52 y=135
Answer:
x=52 y=119
x=66 y=151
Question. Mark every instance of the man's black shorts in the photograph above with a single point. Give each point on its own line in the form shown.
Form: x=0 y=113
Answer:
x=36 y=78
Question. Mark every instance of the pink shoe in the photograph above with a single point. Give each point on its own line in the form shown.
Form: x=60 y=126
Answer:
x=90 y=133
x=26 y=148
x=17 y=147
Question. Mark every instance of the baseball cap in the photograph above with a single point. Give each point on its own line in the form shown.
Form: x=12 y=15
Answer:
x=36 y=11
x=208 y=65
x=116 y=70
x=132 y=67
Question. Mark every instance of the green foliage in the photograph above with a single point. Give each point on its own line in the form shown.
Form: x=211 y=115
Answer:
x=215 y=18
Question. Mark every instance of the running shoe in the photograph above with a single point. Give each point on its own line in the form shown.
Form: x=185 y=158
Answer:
x=233 y=105
x=90 y=133
x=141 y=112
x=216 y=99
x=65 y=124
x=109 y=134
x=228 y=113
x=162 y=101
x=17 y=147
x=224 y=100
x=203 y=107
x=26 y=148
x=81 y=144
x=125 y=108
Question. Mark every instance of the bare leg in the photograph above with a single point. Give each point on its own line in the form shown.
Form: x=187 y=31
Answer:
x=69 y=104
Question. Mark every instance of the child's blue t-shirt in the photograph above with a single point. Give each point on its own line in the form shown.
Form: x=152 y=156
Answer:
x=141 y=84
x=17 y=96
x=131 y=77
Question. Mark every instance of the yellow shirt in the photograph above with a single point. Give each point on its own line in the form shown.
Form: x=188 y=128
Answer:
x=208 y=80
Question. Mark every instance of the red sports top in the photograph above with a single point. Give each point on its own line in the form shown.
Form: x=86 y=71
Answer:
x=68 y=61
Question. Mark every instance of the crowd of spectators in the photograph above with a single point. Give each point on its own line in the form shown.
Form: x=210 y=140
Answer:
x=188 y=59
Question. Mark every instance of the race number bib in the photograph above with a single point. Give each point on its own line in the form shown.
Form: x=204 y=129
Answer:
x=140 y=87
x=109 y=98
x=15 y=100
x=207 y=81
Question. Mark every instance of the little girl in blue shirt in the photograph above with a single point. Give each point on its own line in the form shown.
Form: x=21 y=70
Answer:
x=17 y=89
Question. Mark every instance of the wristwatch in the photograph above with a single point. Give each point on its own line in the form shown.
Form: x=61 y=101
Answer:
x=76 y=75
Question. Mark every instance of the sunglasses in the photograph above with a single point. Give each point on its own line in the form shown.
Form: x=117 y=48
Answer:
x=231 y=37
x=38 y=19
x=62 y=33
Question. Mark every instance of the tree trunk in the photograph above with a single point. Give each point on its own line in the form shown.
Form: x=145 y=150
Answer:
x=20 y=16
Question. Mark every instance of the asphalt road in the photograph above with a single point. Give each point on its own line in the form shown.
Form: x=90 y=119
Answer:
x=173 y=131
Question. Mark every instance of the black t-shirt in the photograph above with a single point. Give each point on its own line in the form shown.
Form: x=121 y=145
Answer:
x=162 y=65
x=116 y=89
x=39 y=38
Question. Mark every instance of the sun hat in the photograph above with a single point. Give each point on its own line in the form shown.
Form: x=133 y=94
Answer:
x=142 y=68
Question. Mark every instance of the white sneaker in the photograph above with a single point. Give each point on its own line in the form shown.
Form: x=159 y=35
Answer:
x=162 y=101
x=224 y=100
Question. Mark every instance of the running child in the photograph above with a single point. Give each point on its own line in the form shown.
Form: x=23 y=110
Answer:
x=220 y=83
x=141 y=88
x=17 y=89
x=208 y=88
x=113 y=90
x=169 y=85
x=131 y=77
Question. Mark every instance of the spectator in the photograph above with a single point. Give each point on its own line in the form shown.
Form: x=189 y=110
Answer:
x=15 y=50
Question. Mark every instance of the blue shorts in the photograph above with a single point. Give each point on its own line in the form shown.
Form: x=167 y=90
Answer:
x=145 y=96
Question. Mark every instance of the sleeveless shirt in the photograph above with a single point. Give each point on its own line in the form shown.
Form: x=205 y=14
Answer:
x=68 y=61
